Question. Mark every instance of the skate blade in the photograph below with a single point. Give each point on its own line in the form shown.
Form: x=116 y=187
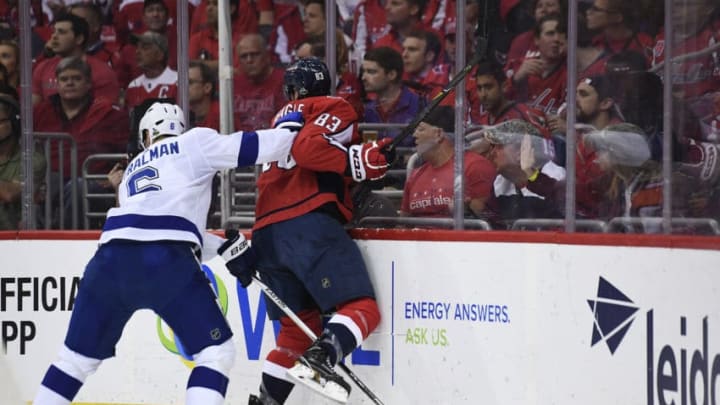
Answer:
x=306 y=376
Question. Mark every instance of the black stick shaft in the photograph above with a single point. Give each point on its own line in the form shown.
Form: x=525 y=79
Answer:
x=410 y=128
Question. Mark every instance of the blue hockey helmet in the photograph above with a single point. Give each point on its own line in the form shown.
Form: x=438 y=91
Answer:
x=309 y=77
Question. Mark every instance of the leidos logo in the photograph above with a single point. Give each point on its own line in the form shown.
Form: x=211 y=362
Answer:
x=676 y=374
x=613 y=312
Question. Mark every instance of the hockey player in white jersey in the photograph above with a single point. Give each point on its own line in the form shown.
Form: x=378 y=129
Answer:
x=147 y=253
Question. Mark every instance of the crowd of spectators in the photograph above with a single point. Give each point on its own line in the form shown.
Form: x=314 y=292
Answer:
x=93 y=61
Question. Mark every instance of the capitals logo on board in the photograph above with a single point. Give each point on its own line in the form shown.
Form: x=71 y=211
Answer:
x=613 y=314
x=170 y=341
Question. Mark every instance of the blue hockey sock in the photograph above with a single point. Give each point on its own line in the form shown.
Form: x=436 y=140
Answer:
x=58 y=387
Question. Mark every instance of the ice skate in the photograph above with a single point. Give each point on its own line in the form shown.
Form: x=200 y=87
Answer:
x=313 y=369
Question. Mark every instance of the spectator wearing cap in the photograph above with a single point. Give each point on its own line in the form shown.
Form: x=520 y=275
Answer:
x=429 y=190
x=528 y=183
x=540 y=80
x=595 y=109
x=392 y=101
x=636 y=181
x=156 y=18
x=157 y=79
x=11 y=162
x=69 y=38
x=596 y=106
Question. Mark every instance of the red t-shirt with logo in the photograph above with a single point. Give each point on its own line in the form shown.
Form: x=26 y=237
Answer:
x=429 y=190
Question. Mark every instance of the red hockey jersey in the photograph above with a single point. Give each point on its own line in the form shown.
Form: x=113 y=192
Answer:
x=315 y=173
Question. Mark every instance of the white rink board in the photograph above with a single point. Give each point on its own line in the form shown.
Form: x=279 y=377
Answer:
x=533 y=345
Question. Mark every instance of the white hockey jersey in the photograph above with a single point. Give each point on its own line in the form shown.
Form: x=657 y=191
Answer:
x=166 y=190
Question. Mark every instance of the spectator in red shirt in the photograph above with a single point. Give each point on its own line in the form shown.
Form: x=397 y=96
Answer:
x=368 y=25
x=157 y=79
x=403 y=16
x=245 y=20
x=129 y=16
x=429 y=190
x=494 y=107
x=287 y=29
x=696 y=27
x=96 y=125
x=70 y=36
x=540 y=81
x=156 y=18
x=204 y=108
x=204 y=45
x=420 y=53
x=596 y=109
x=108 y=53
x=615 y=20
x=258 y=92
x=523 y=45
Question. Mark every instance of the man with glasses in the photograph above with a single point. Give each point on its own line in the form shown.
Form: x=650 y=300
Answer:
x=157 y=79
x=201 y=96
x=615 y=20
x=258 y=91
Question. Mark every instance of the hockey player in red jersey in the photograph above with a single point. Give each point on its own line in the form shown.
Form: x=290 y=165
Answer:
x=303 y=252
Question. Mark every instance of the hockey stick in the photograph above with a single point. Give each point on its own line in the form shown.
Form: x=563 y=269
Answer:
x=686 y=57
x=434 y=102
x=274 y=298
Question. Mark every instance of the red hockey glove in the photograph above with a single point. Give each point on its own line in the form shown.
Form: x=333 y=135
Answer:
x=369 y=161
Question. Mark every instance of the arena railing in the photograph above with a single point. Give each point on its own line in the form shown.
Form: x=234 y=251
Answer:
x=95 y=195
x=558 y=224
x=56 y=179
x=422 y=222
x=654 y=225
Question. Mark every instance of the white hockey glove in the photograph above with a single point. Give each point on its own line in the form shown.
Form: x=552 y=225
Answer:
x=239 y=257
x=370 y=160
